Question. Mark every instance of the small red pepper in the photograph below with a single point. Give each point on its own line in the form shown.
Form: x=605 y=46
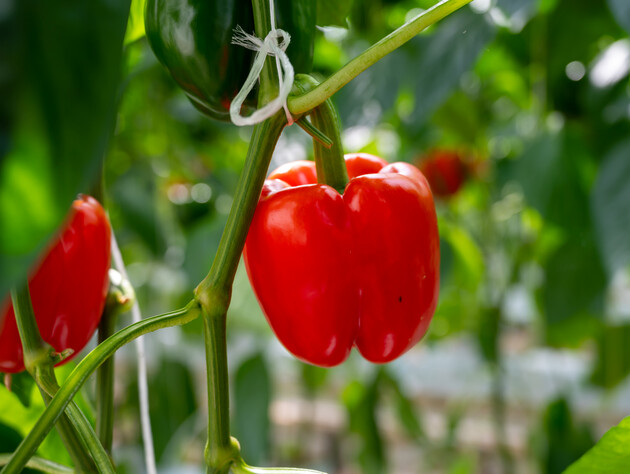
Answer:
x=68 y=288
x=445 y=170
x=334 y=271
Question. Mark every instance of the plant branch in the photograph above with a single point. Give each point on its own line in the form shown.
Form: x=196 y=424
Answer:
x=83 y=370
x=39 y=359
x=303 y=103
x=40 y=464
x=214 y=292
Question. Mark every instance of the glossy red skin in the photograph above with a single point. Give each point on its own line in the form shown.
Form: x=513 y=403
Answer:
x=68 y=287
x=332 y=272
x=446 y=172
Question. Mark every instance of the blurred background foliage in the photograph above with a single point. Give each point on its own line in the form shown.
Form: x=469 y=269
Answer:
x=527 y=359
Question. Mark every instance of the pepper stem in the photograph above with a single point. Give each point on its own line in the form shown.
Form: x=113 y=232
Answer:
x=329 y=161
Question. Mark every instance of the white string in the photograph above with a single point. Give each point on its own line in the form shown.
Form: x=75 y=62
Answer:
x=274 y=44
x=143 y=388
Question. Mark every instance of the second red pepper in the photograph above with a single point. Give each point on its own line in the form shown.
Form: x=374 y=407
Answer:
x=334 y=271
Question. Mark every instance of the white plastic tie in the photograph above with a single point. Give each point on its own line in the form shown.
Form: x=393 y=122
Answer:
x=274 y=44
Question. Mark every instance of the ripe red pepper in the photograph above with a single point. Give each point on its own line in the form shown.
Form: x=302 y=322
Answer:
x=68 y=288
x=334 y=271
x=445 y=170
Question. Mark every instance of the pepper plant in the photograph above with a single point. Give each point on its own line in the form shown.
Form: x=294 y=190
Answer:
x=210 y=76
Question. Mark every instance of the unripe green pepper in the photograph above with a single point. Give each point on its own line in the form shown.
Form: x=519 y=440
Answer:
x=192 y=38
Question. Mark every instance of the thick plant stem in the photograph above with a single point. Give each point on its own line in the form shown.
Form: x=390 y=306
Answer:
x=303 y=103
x=214 y=292
x=83 y=370
x=219 y=453
x=75 y=431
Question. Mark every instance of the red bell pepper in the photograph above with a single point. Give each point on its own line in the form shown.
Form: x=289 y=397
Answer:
x=334 y=271
x=68 y=288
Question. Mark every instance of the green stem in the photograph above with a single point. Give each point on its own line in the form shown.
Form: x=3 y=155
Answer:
x=329 y=161
x=105 y=383
x=269 y=76
x=83 y=370
x=303 y=103
x=40 y=464
x=74 y=429
x=214 y=292
x=314 y=133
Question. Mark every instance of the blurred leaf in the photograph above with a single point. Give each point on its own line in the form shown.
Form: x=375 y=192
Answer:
x=333 y=12
x=361 y=402
x=436 y=62
x=621 y=11
x=135 y=195
x=610 y=204
x=135 y=25
x=468 y=264
x=203 y=242
x=16 y=416
x=313 y=378
x=548 y=172
x=405 y=408
x=564 y=441
x=609 y=455
x=63 y=70
x=22 y=386
x=252 y=396
x=574 y=331
x=431 y=65
x=613 y=356
x=171 y=403
x=574 y=281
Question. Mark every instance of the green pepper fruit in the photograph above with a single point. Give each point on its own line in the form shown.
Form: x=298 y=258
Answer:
x=192 y=38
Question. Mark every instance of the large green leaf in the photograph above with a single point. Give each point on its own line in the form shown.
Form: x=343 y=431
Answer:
x=549 y=172
x=60 y=65
x=609 y=455
x=252 y=396
x=562 y=440
x=574 y=281
x=610 y=205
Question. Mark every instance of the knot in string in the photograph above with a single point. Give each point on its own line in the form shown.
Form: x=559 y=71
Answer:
x=274 y=44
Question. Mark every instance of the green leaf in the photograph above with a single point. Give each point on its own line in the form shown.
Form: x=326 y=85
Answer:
x=548 y=172
x=574 y=281
x=252 y=396
x=333 y=12
x=63 y=66
x=135 y=24
x=405 y=408
x=609 y=455
x=563 y=440
x=610 y=205
x=22 y=386
x=439 y=60
x=361 y=402
x=613 y=356
x=20 y=418
x=314 y=378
